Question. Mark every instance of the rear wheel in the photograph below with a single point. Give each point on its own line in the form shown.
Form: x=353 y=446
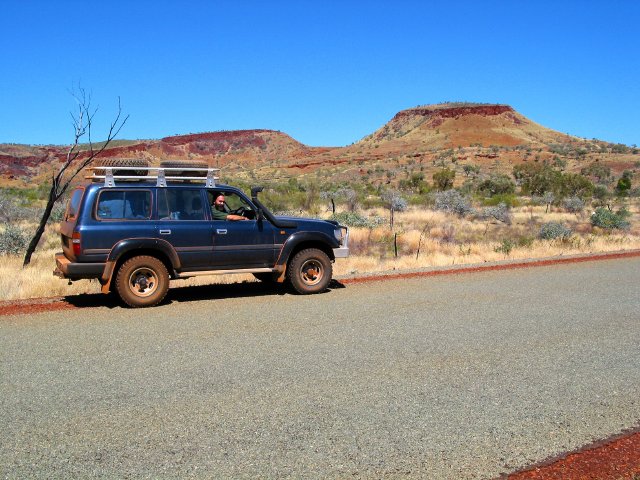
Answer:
x=310 y=271
x=142 y=281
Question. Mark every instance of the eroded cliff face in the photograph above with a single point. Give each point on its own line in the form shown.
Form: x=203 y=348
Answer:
x=453 y=112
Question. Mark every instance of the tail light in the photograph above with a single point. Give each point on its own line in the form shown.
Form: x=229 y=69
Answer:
x=75 y=242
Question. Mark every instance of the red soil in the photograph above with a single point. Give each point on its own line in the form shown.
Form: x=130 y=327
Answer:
x=615 y=459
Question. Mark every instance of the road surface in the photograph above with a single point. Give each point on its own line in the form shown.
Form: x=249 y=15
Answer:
x=458 y=376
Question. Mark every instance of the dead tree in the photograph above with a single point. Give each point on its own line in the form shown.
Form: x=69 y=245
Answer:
x=76 y=159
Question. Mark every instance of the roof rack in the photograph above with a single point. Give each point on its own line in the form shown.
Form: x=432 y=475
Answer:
x=161 y=175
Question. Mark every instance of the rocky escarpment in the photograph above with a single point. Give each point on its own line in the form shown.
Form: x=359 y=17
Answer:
x=453 y=112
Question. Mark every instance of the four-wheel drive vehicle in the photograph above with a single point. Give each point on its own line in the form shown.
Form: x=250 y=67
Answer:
x=133 y=233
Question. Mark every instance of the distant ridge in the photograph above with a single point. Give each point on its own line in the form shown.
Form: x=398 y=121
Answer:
x=493 y=135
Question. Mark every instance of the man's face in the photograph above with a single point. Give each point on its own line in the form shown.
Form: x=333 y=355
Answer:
x=219 y=201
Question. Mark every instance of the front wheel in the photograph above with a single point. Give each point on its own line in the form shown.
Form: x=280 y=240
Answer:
x=142 y=281
x=310 y=271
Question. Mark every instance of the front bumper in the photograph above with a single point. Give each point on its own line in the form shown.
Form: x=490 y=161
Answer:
x=342 y=252
x=65 y=268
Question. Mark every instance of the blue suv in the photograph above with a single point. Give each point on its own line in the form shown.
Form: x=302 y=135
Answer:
x=135 y=231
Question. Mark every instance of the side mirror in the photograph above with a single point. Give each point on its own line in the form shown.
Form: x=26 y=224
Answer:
x=259 y=215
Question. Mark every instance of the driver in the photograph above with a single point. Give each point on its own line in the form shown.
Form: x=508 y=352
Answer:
x=219 y=212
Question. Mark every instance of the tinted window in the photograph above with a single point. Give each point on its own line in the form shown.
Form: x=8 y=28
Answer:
x=74 y=203
x=124 y=205
x=180 y=204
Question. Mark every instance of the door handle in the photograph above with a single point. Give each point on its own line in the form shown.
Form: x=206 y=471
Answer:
x=221 y=231
x=165 y=232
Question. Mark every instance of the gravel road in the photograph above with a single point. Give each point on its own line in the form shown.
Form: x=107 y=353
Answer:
x=450 y=377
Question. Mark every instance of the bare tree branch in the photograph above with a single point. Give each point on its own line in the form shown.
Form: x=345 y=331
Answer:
x=76 y=159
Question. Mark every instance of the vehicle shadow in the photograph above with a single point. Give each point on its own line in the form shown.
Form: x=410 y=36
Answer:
x=195 y=293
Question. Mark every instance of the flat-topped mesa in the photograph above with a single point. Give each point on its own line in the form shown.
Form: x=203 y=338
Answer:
x=445 y=111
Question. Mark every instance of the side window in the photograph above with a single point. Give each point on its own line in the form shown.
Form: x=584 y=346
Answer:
x=223 y=203
x=74 y=204
x=124 y=205
x=180 y=204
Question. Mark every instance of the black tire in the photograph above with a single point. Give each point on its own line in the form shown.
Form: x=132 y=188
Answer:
x=142 y=281
x=310 y=271
x=267 y=277
x=124 y=162
x=184 y=164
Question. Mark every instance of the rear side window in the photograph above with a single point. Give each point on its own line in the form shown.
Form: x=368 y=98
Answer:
x=74 y=204
x=180 y=204
x=124 y=205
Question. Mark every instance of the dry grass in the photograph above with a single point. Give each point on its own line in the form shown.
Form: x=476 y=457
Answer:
x=424 y=238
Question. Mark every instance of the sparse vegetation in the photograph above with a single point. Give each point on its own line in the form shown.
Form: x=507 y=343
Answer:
x=464 y=198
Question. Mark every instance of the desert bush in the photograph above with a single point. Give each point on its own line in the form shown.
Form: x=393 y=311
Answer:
x=624 y=184
x=553 y=230
x=574 y=185
x=496 y=185
x=597 y=171
x=443 y=179
x=355 y=219
x=573 y=205
x=536 y=179
x=451 y=201
x=16 y=208
x=471 y=170
x=499 y=212
x=13 y=241
x=605 y=218
x=506 y=246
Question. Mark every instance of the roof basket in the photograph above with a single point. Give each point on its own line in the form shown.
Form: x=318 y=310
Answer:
x=161 y=175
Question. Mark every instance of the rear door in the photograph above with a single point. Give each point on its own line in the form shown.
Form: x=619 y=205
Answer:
x=117 y=214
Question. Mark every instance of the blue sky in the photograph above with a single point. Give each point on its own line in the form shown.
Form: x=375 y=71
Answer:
x=325 y=72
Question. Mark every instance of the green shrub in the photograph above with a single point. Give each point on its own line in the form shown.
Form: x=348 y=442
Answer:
x=509 y=199
x=553 y=230
x=605 y=218
x=505 y=246
x=497 y=185
x=13 y=241
x=443 y=179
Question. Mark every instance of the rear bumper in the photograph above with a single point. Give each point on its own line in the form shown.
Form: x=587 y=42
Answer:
x=76 y=271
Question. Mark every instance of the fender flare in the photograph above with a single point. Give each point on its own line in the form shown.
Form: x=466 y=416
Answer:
x=129 y=244
x=300 y=237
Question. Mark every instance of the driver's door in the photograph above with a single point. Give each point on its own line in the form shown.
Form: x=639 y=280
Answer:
x=244 y=243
